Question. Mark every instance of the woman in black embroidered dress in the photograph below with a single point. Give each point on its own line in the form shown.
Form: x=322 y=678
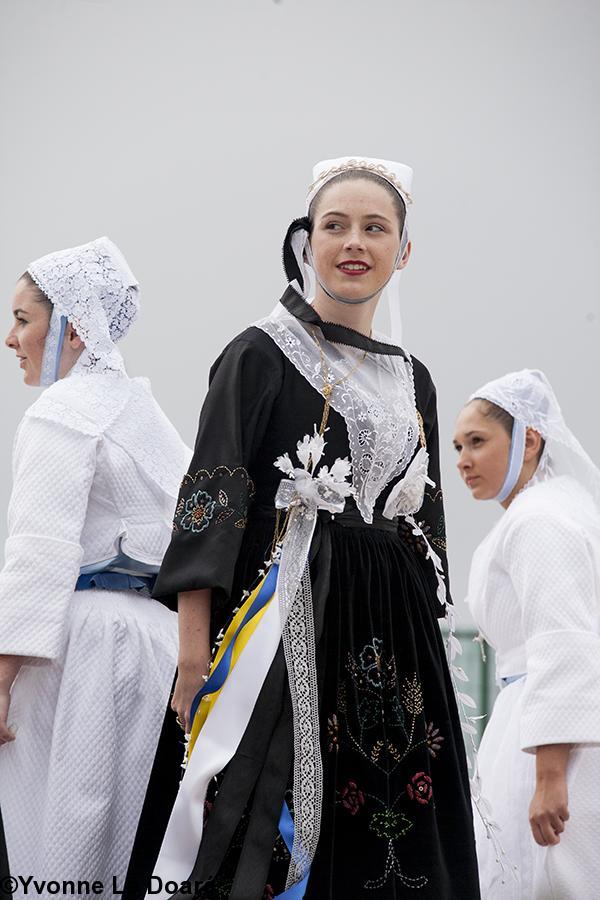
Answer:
x=396 y=812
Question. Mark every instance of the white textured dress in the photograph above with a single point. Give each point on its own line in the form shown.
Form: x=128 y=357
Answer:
x=96 y=472
x=534 y=591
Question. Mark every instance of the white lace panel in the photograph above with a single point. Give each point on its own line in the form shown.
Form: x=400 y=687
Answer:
x=376 y=399
x=298 y=637
x=94 y=288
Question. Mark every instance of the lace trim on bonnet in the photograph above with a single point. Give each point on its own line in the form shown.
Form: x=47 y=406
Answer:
x=94 y=288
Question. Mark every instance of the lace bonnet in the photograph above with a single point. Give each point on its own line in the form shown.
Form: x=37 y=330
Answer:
x=93 y=288
x=396 y=174
x=528 y=397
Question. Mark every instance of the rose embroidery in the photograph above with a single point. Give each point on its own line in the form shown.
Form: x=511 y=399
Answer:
x=199 y=511
x=419 y=788
x=352 y=798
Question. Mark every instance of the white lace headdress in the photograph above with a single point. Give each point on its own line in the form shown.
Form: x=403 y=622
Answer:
x=399 y=176
x=528 y=397
x=396 y=174
x=93 y=288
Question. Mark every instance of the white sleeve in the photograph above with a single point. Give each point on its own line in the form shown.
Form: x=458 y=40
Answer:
x=551 y=565
x=53 y=471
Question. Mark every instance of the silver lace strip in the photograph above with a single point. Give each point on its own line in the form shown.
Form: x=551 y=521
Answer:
x=298 y=636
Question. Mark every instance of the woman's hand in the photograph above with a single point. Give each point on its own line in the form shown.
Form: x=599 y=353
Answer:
x=549 y=811
x=190 y=678
x=5 y=735
x=9 y=668
x=194 y=651
x=549 y=808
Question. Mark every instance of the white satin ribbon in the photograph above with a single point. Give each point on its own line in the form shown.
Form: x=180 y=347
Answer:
x=216 y=745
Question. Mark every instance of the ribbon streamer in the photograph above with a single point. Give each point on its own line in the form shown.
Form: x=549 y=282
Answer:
x=286 y=829
x=222 y=708
x=238 y=634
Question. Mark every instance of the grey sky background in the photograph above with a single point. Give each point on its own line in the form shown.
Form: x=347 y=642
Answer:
x=186 y=131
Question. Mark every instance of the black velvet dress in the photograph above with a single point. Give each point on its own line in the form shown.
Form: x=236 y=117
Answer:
x=396 y=817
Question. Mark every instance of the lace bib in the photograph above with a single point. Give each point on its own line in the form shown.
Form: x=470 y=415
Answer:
x=376 y=399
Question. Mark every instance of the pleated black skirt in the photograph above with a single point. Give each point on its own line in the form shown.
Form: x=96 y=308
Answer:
x=396 y=816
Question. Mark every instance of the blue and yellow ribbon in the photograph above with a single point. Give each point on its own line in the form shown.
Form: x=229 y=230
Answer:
x=239 y=632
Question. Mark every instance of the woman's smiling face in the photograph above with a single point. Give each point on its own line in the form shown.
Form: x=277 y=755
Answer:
x=355 y=239
x=28 y=333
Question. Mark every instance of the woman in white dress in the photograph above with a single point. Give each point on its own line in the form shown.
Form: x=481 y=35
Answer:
x=87 y=658
x=534 y=591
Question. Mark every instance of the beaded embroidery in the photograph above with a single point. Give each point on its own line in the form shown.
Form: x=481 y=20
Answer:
x=398 y=705
x=202 y=508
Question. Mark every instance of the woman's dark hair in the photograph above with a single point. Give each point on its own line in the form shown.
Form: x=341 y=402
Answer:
x=492 y=411
x=37 y=292
x=364 y=175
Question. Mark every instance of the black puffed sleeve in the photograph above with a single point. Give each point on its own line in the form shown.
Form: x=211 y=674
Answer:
x=217 y=491
x=430 y=517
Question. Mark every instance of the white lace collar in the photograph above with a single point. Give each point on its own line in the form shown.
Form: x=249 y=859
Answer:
x=377 y=402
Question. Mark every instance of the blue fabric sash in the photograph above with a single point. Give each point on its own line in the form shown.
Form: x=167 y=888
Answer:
x=121 y=563
x=116 y=581
x=119 y=573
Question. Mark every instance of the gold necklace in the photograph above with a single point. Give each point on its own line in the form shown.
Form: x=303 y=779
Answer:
x=328 y=386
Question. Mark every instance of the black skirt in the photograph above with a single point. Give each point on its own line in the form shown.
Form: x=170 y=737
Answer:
x=396 y=815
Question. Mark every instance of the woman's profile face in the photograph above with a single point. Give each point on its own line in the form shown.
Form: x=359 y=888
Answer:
x=28 y=333
x=483 y=447
x=356 y=237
